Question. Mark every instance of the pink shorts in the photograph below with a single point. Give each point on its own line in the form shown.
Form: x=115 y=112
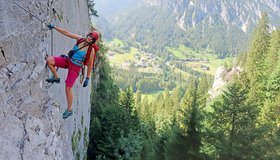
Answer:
x=73 y=70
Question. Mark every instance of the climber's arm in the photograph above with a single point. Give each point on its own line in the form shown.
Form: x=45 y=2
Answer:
x=90 y=63
x=67 y=33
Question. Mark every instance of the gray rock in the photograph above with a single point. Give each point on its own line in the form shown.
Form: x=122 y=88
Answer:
x=30 y=112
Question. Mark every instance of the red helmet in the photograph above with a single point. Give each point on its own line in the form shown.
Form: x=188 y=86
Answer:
x=95 y=34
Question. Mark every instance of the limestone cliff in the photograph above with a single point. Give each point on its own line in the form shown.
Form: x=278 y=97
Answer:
x=31 y=125
x=222 y=78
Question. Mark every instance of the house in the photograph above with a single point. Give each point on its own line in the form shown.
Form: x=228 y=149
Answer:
x=204 y=67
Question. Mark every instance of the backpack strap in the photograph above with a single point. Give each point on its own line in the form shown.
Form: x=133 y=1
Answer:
x=85 y=62
x=80 y=40
x=88 y=54
x=72 y=52
x=96 y=48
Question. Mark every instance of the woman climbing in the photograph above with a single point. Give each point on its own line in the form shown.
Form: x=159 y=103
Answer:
x=83 y=53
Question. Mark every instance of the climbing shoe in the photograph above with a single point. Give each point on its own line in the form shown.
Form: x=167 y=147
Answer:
x=53 y=80
x=67 y=113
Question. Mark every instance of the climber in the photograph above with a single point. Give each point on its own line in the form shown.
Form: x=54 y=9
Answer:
x=83 y=53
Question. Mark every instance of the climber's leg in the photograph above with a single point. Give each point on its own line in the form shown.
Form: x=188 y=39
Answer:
x=70 y=80
x=73 y=73
x=69 y=97
x=53 y=62
x=51 y=65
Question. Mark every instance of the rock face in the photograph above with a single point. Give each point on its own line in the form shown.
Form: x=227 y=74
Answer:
x=222 y=78
x=30 y=111
x=218 y=83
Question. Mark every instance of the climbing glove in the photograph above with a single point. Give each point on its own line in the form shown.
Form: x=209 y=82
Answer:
x=86 y=82
x=50 y=26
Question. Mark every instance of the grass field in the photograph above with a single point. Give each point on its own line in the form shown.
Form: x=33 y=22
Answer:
x=130 y=55
x=183 y=52
x=121 y=55
x=116 y=42
x=118 y=59
x=150 y=96
x=176 y=53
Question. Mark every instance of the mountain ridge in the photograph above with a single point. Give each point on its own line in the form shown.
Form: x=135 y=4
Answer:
x=221 y=26
x=228 y=10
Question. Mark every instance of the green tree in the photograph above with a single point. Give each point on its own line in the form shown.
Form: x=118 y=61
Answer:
x=145 y=111
x=176 y=98
x=138 y=99
x=232 y=125
x=269 y=115
x=186 y=142
x=149 y=140
x=129 y=146
x=274 y=51
x=92 y=10
x=107 y=116
x=269 y=118
x=127 y=100
x=273 y=83
x=255 y=64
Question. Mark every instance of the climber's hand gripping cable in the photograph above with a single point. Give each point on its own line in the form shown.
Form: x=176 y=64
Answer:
x=50 y=26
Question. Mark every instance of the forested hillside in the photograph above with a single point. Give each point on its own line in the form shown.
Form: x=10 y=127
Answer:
x=221 y=26
x=242 y=123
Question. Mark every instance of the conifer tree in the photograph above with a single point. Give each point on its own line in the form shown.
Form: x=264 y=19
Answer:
x=91 y=7
x=272 y=73
x=232 y=125
x=255 y=64
x=274 y=52
x=145 y=109
x=105 y=111
x=269 y=118
x=127 y=100
x=193 y=123
x=138 y=100
x=186 y=142
x=176 y=95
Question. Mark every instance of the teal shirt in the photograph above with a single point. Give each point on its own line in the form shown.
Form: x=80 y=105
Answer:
x=79 y=55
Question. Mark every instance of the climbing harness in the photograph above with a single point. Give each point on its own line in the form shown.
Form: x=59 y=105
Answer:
x=72 y=52
x=70 y=55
